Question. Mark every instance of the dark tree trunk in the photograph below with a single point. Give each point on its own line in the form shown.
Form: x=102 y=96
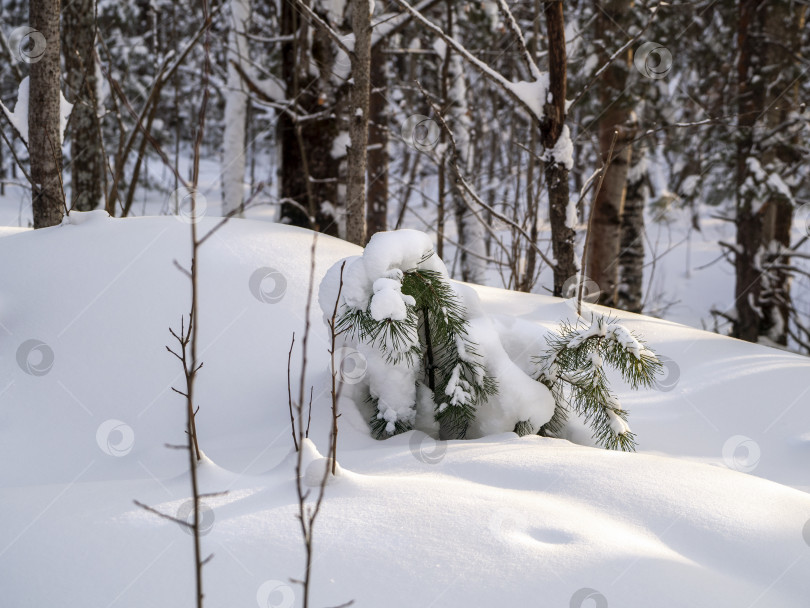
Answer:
x=308 y=172
x=44 y=141
x=358 y=124
x=86 y=163
x=631 y=259
x=767 y=33
x=562 y=237
x=377 y=213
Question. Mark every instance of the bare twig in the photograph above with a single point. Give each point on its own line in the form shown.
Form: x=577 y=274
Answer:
x=335 y=390
x=289 y=395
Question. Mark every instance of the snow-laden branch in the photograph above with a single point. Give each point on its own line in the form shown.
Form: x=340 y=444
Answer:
x=524 y=49
x=467 y=189
x=612 y=58
x=323 y=25
x=513 y=90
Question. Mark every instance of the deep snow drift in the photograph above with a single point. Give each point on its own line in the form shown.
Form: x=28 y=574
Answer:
x=87 y=408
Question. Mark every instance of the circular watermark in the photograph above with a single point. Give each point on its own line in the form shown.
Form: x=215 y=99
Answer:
x=803 y=213
x=741 y=453
x=578 y=283
x=188 y=205
x=593 y=598
x=27 y=44
x=275 y=594
x=806 y=532
x=350 y=365
x=653 y=60
x=35 y=357
x=268 y=285
x=115 y=438
x=506 y=521
x=426 y=449
x=205 y=516
x=421 y=132
x=671 y=374
x=343 y=61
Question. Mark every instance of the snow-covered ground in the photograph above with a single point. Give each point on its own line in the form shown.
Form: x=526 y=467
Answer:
x=713 y=511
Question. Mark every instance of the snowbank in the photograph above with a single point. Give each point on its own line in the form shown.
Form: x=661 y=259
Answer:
x=499 y=520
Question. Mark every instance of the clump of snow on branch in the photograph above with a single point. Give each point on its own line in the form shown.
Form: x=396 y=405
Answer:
x=563 y=151
x=19 y=117
x=532 y=93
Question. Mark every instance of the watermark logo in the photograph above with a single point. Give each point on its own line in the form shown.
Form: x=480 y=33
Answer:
x=205 y=517
x=115 y=438
x=343 y=62
x=671 y=374
x=653 y=60
x=350 y=365
x=268 y=285
x=426 y=449
x=803 y=213
x=588 y=598
x=188 y=205
x=35 y=357
x=573 y=286
x=421 y=132
x=506 y=521
x=741 y=453
x=27 y=45
x=275 y=594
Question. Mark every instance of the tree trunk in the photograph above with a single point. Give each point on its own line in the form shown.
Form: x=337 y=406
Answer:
x=308 y=171
x=767 y=37
x=44 y=133
x=562 y=236
x=470 y=231
x=358 y=124
x=631 y=259
x=377 y=215
x=604 y=242
x=236 y=100
x=87 y=162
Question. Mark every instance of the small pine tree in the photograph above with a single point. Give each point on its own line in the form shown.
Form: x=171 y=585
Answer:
x=573 y=370
x=433 y=334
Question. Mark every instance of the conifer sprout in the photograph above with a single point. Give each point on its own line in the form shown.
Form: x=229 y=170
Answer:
x=573 y=369
x=423 y=334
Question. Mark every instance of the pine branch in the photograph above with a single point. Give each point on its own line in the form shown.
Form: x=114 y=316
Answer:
x=435 y=332
x=573 y=370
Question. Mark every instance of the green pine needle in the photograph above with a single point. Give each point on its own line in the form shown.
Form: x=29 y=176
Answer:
x=434 y=333
x=573 y=370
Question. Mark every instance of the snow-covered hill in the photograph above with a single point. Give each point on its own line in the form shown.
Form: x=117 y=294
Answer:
x=86 y=410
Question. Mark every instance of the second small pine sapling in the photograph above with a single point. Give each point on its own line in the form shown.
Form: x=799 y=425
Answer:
x=573 y=368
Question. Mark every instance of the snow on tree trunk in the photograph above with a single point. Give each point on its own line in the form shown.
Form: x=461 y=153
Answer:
x=471 y=234
x=236 y=100
x=604 y=243
x=358 y=123
x=87 y=161
x=551 y=129
x=766 y=69
x=44 y=117
x=631 y=259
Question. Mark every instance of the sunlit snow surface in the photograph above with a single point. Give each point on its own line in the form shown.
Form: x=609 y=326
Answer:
x=87 y=408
